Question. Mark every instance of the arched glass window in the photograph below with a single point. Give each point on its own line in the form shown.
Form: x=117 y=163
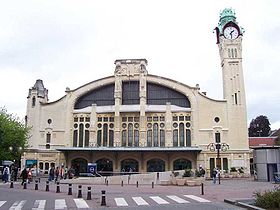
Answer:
x=162 y=138
x=136 y=138
x=129 y=165
x=181 y=134
x=99 y=138
x=188 y=137
x=111 y=138
x=130 y=134
x=104 y=166
x=124 y=138
x=81 y=134
x=33 y=101
x=105 y=135
x=155 y=165
x=182 y=164
x=86 y=138
x=175 y=138
x=149 y=138
x=235 y=53
x=155 y=136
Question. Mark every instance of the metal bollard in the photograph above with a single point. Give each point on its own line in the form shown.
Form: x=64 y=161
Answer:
x=39 y=180
x=47 y=186
x=152 y=184
x=202 y=189
x=137 y=184
x=107 y=182
x=36 y=184
x=57 y=187
x=24 y=185
x=80 y=191
x=89 y=193
x=70 y=189
x=12 y=184
x=103 y=199
x=122 y=183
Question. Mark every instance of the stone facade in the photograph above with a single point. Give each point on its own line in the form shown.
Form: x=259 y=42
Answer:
x=142 y=122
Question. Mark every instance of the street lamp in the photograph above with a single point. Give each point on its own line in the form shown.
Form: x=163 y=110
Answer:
x=219 y=147
x=15 y=150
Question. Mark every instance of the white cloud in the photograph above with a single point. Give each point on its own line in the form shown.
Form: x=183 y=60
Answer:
x=70 y=43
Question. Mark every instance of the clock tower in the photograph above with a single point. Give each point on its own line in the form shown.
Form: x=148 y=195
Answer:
x=229 y=40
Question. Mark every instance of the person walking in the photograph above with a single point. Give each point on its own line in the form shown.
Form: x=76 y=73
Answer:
x=56 y=172
x=6 y=173
x=24 y=175
x=214 y=175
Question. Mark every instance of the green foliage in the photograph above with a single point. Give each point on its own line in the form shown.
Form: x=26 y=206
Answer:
x=13 y=136
x=188 y=173
x=259 y=127
x=268 y=199
x=233 y=169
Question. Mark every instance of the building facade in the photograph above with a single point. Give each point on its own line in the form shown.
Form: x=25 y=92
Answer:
x=136 y=121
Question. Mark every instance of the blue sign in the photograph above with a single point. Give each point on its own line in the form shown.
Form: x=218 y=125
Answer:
x=91 y=168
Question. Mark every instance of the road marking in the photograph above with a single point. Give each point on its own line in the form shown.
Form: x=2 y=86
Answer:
x=2 y=203
x=140 y=201
x=60 y=204
x=121 y=202
x=196 y=198
x=177 y=199
x=39 y=205
x=81 y=203
x=17 y=205
x=159 y=200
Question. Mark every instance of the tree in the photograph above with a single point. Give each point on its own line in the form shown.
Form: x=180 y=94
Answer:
x=259 y=127
x=13 y=136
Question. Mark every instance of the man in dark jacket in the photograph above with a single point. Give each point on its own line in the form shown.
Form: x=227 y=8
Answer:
x=23 y=175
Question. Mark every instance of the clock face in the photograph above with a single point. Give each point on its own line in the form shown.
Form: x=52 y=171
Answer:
x=231 y=32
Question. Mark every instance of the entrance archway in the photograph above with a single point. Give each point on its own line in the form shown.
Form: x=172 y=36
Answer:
x=182 y=164
x=79 y=165
x=129 y=165
x=155 y=165
x=104 y=166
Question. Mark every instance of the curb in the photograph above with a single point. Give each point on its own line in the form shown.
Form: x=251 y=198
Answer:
x=242 y=204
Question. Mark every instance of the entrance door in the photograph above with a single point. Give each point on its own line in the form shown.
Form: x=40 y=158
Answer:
x=271 y=169
x=79 y=165
x=155 y=165
x=104 y=167
x=129 y=165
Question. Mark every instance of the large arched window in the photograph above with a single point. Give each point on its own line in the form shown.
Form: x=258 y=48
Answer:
x=104 y=166
x=160 y=95
x=155 y=165
x=182 y=164
x=129 y=165
x=79 y=165
x=130 y=92
x=102 y=96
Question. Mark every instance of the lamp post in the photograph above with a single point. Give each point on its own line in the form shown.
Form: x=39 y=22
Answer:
x=218 y=147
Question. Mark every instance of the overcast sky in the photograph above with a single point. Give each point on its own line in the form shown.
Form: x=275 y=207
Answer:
x=70 y=43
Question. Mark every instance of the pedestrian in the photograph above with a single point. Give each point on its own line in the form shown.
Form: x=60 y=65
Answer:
x=15 y=173
x=65 y=172
x=214 y=175
x=56 y=172
x=23 y=175
x=6 y=173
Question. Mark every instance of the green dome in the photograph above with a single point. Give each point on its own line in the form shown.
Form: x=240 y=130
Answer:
x=227 y=15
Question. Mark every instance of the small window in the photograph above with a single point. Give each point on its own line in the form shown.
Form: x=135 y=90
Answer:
x=217 y=137
x=217 y=119
x=33 y=101
x=75 y=119
x=155 y=118
x=181 y=118
x=49 y=121
x=48 y=146
x=188 y=125
x=124 y=119
x=149 y=119
x=81 y=119
x=87 y=125
x=188 y=118
x=175 y=118
x=105 y=119
x=162 y=118
x=87 y=119
x=99 y=119
x=136 y=119
x=111 y=119
x=48 y=138
x=130 y=119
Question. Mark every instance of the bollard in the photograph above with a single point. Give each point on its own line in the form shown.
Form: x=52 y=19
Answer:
x=89 y=193
x=36 y=184
x=202 y=189
x=80 y=191
x=137 y=184
x=39 y=180
x=103 y=199
x=12 y=184
x=107 y=182
x=152 y=184
x=70 y=189
x=24 y=185
x=122 y=183
x=47 y=186
x=219 y=176
x=57 y=187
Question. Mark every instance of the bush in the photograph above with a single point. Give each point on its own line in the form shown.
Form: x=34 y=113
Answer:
x=268 y=199
x=188 y=173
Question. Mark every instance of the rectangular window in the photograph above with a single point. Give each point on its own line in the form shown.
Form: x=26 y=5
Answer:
x=162 y=138
x=235 y=97
x=75 y=138
x=187 y=118
x=217 y=137
x=105 y=119
x=111 y=138
x=162 y=118
x=181 y=118
x=130 y=119
x=136 y=119
x=99 y=138
x=225 y=164
x=48 y=138
x=81 y=119
x=175 y=118
x=87 y=119
x=124 y=119
x=149 y=119
x=149 y=138
x=111 y=119
x=175 y=138
x=99 y=119
x=155 y=118
x=75 y=119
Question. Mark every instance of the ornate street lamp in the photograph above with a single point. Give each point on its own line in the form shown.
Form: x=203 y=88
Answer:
x=218 y=147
